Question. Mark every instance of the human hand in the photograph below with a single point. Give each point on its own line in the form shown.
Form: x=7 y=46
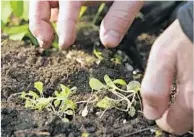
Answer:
x=171 y=54
x=113 y=27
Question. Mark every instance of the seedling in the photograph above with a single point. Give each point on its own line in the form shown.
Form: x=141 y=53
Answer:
x=60 y=104
x=124 y=93
x=98 y=54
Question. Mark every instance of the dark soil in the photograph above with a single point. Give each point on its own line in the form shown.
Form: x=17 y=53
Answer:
x=23 y=64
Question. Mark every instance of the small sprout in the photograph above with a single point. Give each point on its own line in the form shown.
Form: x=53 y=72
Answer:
x=39 y=86
x=59 y=105
x=96 y=84
x=98 y=54
x=120 y=82
x=158 y=133
x=105 y=103
x=117 y=59
x=85 y=111
x=134 y=86
x=132 y=111
x=85 y=134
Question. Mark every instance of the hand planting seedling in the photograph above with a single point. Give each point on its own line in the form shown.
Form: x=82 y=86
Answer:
x=125 y=98
x=60 y=104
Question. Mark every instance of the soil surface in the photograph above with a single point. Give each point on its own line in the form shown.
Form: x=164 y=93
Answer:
x=23 y=64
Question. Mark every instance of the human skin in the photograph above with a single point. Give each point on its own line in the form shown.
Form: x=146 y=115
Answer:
x=171 y=55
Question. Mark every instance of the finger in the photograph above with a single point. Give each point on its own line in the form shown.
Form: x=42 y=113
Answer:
x=67 y=20
x=54 y=14
x=117 y=21
x=39 y=22
x=178 y=119
x=156 y=84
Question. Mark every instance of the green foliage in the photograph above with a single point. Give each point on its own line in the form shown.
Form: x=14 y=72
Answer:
x=120 y=82
x=98 y=54
x=85 y=134
x=60 y=104
x=96 y=84
x=100 y=9
x=82 y=11
x=39 y=86
x=134 y=86
x=17 y=7
x=6 y=11
x=105 y=103
x=128 y=93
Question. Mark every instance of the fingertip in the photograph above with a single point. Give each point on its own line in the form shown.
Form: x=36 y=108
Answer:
x=111 y=39
x=65 y=41
x=43 y=32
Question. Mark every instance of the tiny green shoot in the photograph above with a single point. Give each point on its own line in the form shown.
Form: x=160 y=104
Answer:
x=60 y=104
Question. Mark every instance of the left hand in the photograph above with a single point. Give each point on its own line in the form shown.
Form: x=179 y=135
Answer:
x=171 y=54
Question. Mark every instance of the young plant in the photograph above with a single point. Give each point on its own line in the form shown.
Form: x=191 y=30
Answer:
x=122 y=91
x=60 y=104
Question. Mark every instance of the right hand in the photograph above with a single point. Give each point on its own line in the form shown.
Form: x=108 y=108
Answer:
x=112 y=30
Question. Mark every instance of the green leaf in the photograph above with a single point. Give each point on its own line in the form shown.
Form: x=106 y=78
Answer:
x=39 y=86
x=17 y=7
x=134 y=86
x=32 y=38
x=120 y=82
x=64 y=94
x=82 y=11
x=70 y=104
x=65 y=120
x=85 y=134
x=16 y=29
x=57 y=93
x=98 y=54
x=23 y=95
x=57 y=103
x=29 y=104
x=18 y=36
x=105 y=103
x=109 y=82
x=2 y=25
x=69 y=112
x=6 y=11
x=43 y=103
x=132 y=111
x=33 y=94
x=25 y=10
x=95 y=84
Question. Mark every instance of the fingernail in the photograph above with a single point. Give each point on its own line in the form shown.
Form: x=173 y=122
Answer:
x=151 y=113
x=40 y=42
x=113 y=38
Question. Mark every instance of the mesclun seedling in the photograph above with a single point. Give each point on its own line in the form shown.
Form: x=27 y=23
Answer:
x=60 y=104
x=98 y=54
x=128 y=93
